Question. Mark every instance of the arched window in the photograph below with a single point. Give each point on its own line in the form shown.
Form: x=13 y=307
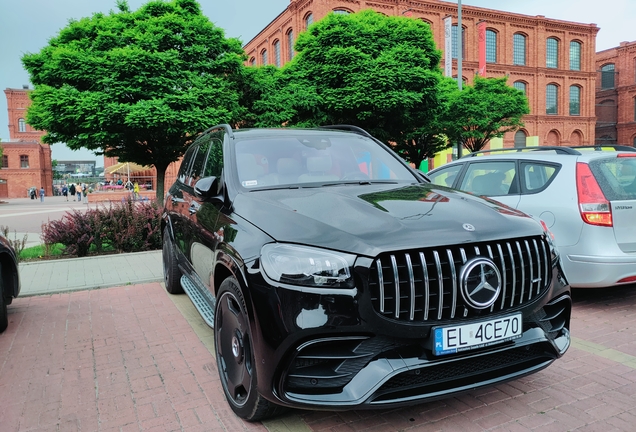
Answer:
x=519 y=49
x=277 y=53
x=575 y=100
x=264 y=57
x=341 y=12
x=253 y=61
x=575 y=55
x=607 y=76
x=491 y=46
x=634 y=142
x=290 y=44
x=309 y=19
x=552 y=53
x=551 y=99
x=454 y=41
x=520 y=85
x=21 y=125
x=635 y=109
x=5 y=161
x=520 y=139
x=24 y=161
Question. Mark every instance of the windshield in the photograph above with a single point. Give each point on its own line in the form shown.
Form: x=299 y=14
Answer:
x=297 y=160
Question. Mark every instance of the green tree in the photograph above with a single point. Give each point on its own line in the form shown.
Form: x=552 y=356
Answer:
x=487 y=109
x=366 y=69
x=138 y=85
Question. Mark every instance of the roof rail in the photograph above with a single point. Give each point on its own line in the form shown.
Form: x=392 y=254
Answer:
x=227 y=127
x=599 y=147
x=349 y=128
x=556 y=149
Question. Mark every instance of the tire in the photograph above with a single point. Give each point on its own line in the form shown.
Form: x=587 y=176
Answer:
x=171 y=272
x=235 y=355
x=4 y=319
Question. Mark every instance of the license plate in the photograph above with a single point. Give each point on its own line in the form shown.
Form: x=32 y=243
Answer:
x=454 y=339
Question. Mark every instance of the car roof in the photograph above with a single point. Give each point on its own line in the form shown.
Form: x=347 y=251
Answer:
x=276 y=132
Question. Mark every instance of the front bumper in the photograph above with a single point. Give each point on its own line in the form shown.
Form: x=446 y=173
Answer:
x=336 y=352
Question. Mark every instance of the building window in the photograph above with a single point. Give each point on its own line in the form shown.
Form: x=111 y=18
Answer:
x=552 y=53
x=575 y=55
x=491 y=46
x=21 y=125
x=253 y=61
x=5 y=161
x=309 y=19
x=520 y=85
x=277 y=53
x=575 y=100
x=290 y=44
x=24 y=161
x=551 y=99
x=607 y=76
x=520 y=139
x=341 y=12
x=634 y=109
x=454 y=41
x=519 y=49
x=264 y=57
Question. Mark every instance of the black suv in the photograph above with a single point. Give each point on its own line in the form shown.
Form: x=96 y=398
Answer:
x=335 y=276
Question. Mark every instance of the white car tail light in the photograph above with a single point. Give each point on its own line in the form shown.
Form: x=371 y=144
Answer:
x=594 y=207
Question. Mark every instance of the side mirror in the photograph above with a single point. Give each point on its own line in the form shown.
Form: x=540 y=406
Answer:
x=209 y=188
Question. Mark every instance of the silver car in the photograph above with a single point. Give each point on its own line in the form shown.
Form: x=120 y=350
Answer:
x=586 y=197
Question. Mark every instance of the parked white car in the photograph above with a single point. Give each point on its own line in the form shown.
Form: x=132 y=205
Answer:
x=586 y=197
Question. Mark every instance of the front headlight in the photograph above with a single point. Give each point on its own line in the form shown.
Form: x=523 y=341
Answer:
x=307 y=266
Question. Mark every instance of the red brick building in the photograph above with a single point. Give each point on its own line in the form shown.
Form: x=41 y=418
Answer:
x=616 y=95
x=553 y=61
x=26 y=161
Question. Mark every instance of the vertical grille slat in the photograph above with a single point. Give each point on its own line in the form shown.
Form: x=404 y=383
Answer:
x=440 y=283
x=522 y=265
x=427 y=293
x=396 y=280
x=409 y=267
x=378 y=264
x=531 y=269
x=410 y=285
x=451 y=262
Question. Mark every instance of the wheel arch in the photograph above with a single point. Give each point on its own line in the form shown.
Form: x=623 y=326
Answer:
x=10 y=278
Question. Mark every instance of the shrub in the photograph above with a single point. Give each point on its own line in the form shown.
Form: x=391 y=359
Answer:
x=17 y=244
x=129 y=226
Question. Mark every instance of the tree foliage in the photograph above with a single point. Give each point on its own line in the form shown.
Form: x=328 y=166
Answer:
x=137 y=85
x=482 y=111
x=366 y=69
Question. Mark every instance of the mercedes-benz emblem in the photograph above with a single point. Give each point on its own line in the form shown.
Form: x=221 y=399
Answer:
x=480 y=282
x=468 y=227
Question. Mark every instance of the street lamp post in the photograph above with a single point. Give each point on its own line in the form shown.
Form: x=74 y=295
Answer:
x=460 y=34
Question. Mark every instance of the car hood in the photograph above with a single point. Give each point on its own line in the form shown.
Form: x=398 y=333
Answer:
x=371 y=219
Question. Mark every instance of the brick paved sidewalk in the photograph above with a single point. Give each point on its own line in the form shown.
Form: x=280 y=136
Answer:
x=134 y=358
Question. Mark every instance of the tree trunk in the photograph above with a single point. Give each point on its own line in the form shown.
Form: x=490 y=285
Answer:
x=161 y=177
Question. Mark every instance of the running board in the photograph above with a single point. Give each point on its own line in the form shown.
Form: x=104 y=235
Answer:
x=202 y=300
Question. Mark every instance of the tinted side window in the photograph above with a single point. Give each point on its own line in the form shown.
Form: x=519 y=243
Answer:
x=201 y=147
x=536 y=176
x=616 y=177
x=445 y=176
x=185 y=164
x=490 y=178
x=214 y=163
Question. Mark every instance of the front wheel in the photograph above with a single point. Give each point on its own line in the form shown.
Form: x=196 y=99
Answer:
x=235 y=355
x=171 y=272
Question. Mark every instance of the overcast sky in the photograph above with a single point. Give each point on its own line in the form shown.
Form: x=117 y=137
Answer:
x=27 y=25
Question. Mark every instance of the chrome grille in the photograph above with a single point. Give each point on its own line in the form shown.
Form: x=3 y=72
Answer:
x=423 y=285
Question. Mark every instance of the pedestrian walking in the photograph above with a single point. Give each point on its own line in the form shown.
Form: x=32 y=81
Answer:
x=32 y=193
x=85 y=192
x=71 y=190
x=65 y=191
x=78 y=192
x=41 y=193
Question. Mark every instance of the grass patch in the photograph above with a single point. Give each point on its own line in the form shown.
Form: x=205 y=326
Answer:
x=40 y=251
x=56 y=251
